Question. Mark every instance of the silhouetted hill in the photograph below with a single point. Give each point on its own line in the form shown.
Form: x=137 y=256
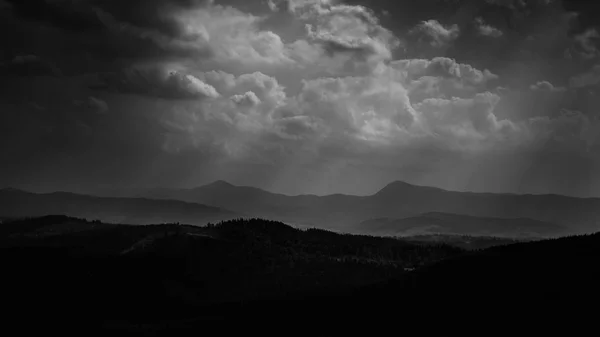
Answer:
x=143 y=274
x=257 y=276
x=444 y=223
x=394 y=201
x=16 y=203
x=524 y=289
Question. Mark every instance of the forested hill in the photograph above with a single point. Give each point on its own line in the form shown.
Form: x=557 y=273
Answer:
x=263 y=276
x=139 y=274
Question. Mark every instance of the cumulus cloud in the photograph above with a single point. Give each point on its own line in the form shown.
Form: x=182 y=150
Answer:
x=156 y=81
x=345 y=114
x=444 y=67
x=546 y=86
x=438 y=34
x=266 y=88
x=348 y=29
x=248 y=98
x=486 y=30
x=234 y=35
x=245 y=108
x=362 y=107
x=441 y=77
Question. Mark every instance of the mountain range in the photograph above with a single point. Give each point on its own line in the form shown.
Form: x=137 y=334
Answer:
x=398 y=209
x=398 y=201
x=16 y=203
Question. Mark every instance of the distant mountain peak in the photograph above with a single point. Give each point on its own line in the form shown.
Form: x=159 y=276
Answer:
x=220 y=183
x=399 y=186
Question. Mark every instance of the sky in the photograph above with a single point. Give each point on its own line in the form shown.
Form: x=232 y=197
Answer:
x=301 y=96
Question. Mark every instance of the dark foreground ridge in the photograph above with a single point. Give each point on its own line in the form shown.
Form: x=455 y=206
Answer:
x=255 y=276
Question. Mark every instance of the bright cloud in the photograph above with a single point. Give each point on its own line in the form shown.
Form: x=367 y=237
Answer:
x=438 y=34
x=487 y=30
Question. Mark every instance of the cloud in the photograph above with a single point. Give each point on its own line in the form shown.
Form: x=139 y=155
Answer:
x=266 y=88
x=29 y=65
x=93 y=104
x=589 y=78
x=370 y=107
x=98 y=105
x=444 y=67
x=487 y=30
x=345 y=29
x=439 y=34
x=233 y=35
x=236 y=122
x=299 y=5
x=296 y=85
x=345 y=116
x=586 y=43
x=111 y=35
x=546 y=86
x=464 y=119
x=107 y=30
x=508 y=3
x=571 y=130
x=248 y=98
x=273 y=5
x=156 y=81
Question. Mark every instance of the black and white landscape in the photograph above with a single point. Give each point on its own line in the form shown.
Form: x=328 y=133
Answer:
x=299 y=167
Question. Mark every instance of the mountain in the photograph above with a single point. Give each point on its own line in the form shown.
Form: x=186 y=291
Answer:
x=457 y=224
x=302 y=210
x=17 y=203
x=396 y=200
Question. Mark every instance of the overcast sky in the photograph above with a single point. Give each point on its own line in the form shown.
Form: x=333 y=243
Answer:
x=301 y=96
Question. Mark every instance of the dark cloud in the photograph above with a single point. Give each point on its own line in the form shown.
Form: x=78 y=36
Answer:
x=150 y=14
x=588 y=13
x=83 y=36
x=155 y=82
x=82 y=15
x=93 y=104
x=587 y=79
x=28 y=65
x=66 y=14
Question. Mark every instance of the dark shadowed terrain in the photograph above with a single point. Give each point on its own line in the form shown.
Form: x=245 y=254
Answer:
x=256 y=276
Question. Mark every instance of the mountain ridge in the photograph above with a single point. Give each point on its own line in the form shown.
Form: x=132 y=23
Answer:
x=18 y=203
x=347 y=213
x=398 y=199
